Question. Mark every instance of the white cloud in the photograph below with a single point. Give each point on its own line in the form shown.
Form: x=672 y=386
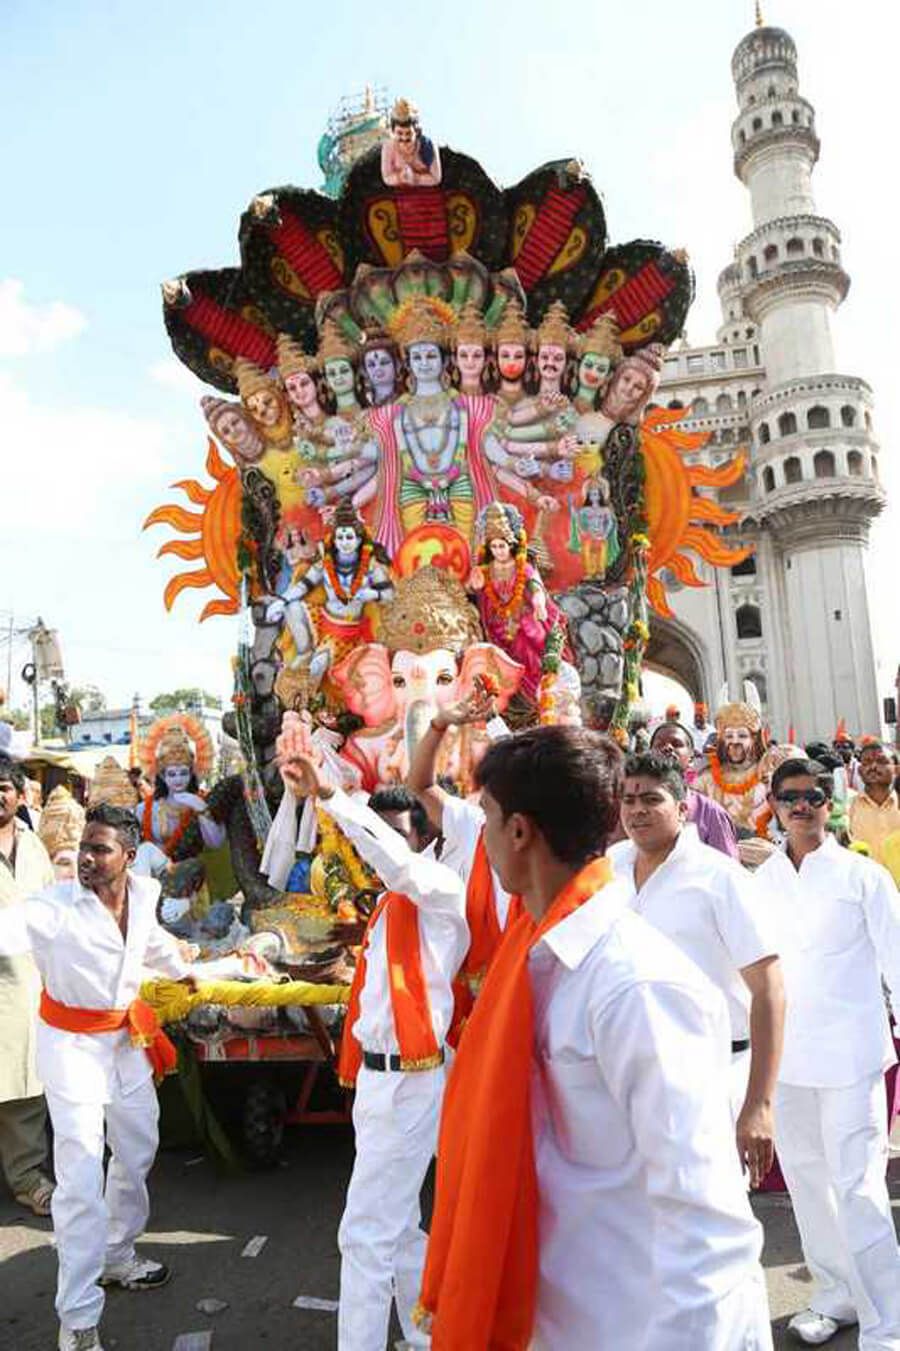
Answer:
x=27 y=328
x=173 y=374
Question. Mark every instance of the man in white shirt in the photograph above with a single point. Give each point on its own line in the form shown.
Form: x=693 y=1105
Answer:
x=839 y=921
x=711 y=909
x=90 y=940
x=579 y=1139
x=401 y=1000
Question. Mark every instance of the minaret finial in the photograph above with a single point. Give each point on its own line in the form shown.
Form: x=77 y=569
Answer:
x=759 y=15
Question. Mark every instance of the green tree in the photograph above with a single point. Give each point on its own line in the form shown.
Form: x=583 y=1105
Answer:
x=184 y=700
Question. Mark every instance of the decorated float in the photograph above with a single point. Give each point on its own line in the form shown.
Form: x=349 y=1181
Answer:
x=432 y=457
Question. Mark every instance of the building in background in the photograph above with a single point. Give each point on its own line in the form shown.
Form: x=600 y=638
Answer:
x=794 y=619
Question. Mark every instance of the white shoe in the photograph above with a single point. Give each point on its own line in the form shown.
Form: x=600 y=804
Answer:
x=813 y=1328
x=79 y=1339
x=135 y=1273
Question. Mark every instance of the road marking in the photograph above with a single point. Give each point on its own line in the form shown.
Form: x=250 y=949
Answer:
x=255 y=1246
x=310 y=1302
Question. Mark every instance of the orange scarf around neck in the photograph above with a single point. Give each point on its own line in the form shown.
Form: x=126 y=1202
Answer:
x=485 y=937
x=480 y=1280
x=410 y=1004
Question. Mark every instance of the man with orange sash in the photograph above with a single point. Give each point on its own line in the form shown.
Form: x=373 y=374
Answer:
x=489 y=907
x=393 y=1051
x=588 y=1187
x=97 y=1048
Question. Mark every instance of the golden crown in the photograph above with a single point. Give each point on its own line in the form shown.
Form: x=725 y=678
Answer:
x=512 y=326
x=497 y=524
x=430 y=610
x=554 y=329
x=292 y=358
x=62 y=822
x=470 y=326
x=112 y=785
x=422 y=319
x=738 y=714
x=602 y=338
x=251 y=378
x=333 y=345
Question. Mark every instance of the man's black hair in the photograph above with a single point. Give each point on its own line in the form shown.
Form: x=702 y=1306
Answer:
x=11 y=771
x=672 y=722
x=397 y=798
x=567 y=780
x=806 y=769
x=815 y=750
x=119 y=819
x=653 y=765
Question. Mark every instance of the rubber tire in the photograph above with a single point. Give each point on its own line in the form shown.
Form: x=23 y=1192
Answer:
x=262 y=1122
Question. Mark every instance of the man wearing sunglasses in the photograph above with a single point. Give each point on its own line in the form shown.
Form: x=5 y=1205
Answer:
x=839 y=920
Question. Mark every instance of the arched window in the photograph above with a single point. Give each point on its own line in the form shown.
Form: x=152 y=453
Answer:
x=749 y=624
x=700 y=407
x=759 y=680
x=793 y=469
x=769 y=479
x=818 y=247
x=875 y=474
x=787 y=424
x=757 y=124
x=794 y=247
x=752 y=267
x=817 y=418
x=795 y=117
x=770 y=253
x=742 y=399
x=855 y=463
x=742 y=137
x=746 y=568
x=867 y=419
x=777 y=119
x=771 y=91
x=765 y=435
x=835 y=253
x=848 y=416
x=823 y=464
x=724 y=404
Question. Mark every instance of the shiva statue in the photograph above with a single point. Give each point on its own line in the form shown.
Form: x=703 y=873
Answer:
x=379 y=368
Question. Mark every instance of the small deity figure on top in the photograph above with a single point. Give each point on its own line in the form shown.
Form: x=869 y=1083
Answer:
x=379 y=368
x=266 y=403
x=352 y=575
x=408 y=158
x=516 y=612
x=594 y=533
x=176 y=751
x=234 y=428
x=470 y=350
x=598 y=351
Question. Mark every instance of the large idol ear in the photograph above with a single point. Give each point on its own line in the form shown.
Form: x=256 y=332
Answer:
x=486 y=659
x=364 y=679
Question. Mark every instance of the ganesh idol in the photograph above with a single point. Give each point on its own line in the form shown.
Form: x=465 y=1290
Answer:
x=516 y=612
x=733 y=777
x=176 y=752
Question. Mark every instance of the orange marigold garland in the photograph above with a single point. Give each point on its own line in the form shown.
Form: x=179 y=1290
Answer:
x=734 y=787
x=365 y=557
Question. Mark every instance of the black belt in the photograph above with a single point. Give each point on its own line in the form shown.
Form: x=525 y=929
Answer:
x=374 y=1060
x=738 y=1046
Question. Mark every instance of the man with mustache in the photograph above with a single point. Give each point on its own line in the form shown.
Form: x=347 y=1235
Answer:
x=875 y=811
x=732 y=776
x=839 y=930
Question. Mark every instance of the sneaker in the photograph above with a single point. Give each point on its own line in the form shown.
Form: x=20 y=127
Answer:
x=136 y=1273
x=79 y=1339
x=813 y=1328
x=37 y=1197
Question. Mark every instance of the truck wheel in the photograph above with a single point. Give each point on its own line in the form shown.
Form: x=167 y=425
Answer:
x=263 y=1122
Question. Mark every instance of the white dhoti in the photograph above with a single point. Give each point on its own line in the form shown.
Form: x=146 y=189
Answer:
x=95 y=1224
x=382 y=1243
x=832 y=1146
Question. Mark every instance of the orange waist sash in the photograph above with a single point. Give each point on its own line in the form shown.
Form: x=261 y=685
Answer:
x=139 y=1018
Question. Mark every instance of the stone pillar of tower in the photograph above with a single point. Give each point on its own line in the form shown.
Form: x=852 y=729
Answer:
x=814 y=456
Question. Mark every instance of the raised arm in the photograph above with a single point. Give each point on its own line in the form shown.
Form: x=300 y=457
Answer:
x=422 y=775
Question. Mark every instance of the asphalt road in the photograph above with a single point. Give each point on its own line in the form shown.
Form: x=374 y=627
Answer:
x=202 y=1222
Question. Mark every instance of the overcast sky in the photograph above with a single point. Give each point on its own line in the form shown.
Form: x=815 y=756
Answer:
x=139 y=133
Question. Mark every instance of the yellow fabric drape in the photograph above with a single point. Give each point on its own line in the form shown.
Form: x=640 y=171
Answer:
x=172 y=1002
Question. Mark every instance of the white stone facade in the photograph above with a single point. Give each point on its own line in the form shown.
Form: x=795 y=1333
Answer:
x=795 y=619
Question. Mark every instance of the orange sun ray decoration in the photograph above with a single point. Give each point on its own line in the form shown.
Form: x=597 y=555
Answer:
x=213 y=534
x=678 y=518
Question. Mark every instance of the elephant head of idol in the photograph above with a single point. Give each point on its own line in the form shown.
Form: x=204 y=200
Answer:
x=433 y=649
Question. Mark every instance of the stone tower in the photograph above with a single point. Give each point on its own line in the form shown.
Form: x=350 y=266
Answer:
x=796 y=620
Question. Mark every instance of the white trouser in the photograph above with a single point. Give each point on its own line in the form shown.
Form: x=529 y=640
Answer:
x=382 y=1243
x=93 y=1227
x=832 y=1146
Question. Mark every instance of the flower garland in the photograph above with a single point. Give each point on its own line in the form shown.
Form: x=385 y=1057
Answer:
x=734 y=787
x=636 y=638
x=170 y=846
x=365 y=557
x=507 y=608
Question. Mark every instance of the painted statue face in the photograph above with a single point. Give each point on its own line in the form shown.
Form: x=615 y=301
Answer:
x=500 y=550
x=593 y=370
x=339 y=375
x=266 y=407
x=301 y=389
x=551 y=361
x=511 y=360
x=470 y=358
x=425 y=361
x=431 y=676
x=380 y=368
x=405 y=138
x=737 y=743
x=346 y=540
x=177 y=777
x=629 y=388
x=297 y=548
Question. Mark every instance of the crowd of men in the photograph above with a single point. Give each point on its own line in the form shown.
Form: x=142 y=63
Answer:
x=573 y=993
